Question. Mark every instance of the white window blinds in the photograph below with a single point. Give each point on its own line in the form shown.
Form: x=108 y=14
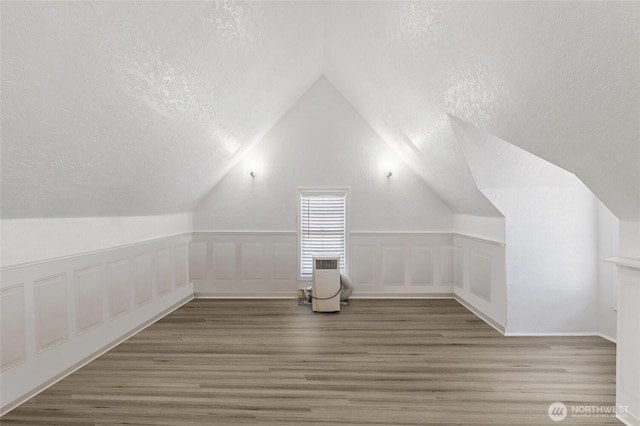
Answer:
x=322 y=227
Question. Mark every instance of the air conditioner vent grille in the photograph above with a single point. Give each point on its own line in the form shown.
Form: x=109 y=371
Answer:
x=326 y=263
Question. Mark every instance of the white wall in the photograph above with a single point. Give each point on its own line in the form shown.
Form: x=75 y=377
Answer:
x=550 y=259
x=488 y=228
x=629 y=239
x=607 y=272
x=245 y=240
x=551 y=230
x=31 y=240
x=322 y=142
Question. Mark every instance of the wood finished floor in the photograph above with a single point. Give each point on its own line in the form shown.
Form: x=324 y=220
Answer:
x=378 y=362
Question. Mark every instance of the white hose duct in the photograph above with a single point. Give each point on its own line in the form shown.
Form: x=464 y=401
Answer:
x=346 y=286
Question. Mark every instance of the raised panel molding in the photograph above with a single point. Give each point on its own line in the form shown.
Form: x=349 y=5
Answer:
x=480 y=275
x=397 y=264
x=118 y=288
x=51 y=311
x=181 y=261
x=164 y=271
x=457 y=267
x=252 y=260
x=363 y=265
x=198 y=261
x=57 y=319
x=12 y=324
x=143 y=281
x=421 y=266
x=392 y=266
x=88 y=299
x=224 y=260
x=446 y=265
x=283 y=261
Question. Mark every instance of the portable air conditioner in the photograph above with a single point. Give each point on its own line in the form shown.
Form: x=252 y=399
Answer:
x=326 y=283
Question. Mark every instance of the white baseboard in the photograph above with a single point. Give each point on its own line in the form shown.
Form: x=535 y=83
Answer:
x=628 y=419
x=93 y=356
x=385 y=295
x=605 y=337
x=253 y=295
x=291 y=295
x=558 y=334
x=497 y=326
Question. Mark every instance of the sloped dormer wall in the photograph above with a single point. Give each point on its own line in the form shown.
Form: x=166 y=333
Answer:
x=555 y=243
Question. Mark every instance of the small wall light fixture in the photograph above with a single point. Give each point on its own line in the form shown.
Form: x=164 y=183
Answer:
x=389 y=174
x=254 y=167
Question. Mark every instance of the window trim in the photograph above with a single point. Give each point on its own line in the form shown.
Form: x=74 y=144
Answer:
x=321 y=191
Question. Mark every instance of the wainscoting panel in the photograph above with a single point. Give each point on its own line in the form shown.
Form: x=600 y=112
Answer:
x=457 y=267
x=400 y=264
x=252 y=261
x=51 y=312
x=422 y=266
x=119 y=288
x=362 y=263
x=198 y=261
x=393 y=266
x=224 y=260
x=479 y=268
x=284 y=264
x=164 y=271
x=264 y=264
x=181 y=265
x=88 y=299
x=58 y=314
x=143 y=279
x=446 y=263
x=245 y=264
x=480 y=275
x=12 y=317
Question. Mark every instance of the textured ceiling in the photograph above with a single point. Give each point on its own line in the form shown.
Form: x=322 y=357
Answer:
x=558 y=79
x=133 y=108
x=137 y=108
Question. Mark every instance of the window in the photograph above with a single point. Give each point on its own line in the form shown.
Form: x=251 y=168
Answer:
x=322 y=227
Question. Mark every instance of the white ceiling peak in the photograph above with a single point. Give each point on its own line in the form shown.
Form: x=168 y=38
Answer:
x=135 y=108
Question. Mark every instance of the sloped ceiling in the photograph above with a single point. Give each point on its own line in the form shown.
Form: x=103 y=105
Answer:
x=138 y=108
x=558 y=79
x=133 y=108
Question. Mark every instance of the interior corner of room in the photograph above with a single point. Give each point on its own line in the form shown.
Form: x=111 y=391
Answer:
x=140 y=172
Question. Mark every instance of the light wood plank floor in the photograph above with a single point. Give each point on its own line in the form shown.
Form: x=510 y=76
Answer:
x=378 y=362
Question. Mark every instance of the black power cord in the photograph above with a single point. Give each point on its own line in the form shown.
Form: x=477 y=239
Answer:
x=327 y=298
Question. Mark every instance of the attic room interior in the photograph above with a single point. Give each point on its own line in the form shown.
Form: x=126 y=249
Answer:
x=157 y=165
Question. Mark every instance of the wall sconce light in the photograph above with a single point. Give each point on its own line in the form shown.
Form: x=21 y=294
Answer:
x=254 y=167
x=387 y=166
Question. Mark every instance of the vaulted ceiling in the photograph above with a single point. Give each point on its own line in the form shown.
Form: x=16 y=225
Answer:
x=136 y=108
